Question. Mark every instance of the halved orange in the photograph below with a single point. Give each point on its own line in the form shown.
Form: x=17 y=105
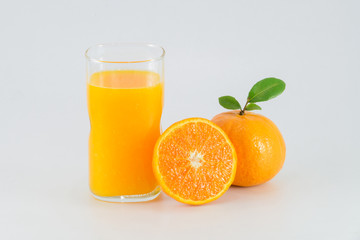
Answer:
x=194 y=161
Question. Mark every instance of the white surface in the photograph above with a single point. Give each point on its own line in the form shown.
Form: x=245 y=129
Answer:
x=213 y=49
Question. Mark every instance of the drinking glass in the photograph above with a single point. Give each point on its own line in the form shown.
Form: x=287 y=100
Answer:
x=125 y=87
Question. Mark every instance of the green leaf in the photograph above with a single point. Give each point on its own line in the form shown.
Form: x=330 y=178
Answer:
x=252 y=106
x=229 y=102
x=266 y=89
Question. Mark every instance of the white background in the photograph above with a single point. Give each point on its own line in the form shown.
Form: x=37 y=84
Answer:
x=213 y=48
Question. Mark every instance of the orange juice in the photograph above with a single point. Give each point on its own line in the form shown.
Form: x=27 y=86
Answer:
x=125 y=108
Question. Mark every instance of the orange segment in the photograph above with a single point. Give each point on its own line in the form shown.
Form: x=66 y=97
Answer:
x=194 y=161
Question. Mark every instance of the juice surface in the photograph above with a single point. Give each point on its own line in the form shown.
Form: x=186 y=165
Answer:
x=125 y=109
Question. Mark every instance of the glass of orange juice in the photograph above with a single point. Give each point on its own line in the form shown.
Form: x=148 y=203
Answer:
x=125 y=87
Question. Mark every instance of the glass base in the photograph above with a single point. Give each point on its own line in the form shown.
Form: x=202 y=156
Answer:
x=130 y=198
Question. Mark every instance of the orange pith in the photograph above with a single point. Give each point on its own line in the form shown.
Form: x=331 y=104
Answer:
x=194 y=161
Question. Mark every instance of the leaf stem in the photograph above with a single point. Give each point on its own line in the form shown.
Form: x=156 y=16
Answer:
x=242 y=111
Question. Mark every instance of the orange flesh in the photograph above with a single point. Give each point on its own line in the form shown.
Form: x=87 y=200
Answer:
x=125 y=110
x=196 y=161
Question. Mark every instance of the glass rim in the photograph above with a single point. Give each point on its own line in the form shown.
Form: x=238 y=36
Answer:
x=151 y=59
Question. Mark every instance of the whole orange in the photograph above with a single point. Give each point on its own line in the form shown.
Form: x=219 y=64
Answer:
x=259 y=146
